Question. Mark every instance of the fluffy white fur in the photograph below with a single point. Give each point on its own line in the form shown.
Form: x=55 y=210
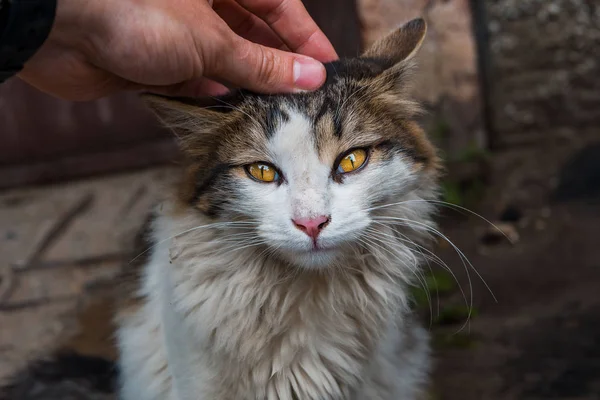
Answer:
x=249 y=311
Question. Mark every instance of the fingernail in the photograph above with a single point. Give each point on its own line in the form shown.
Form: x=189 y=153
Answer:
x=309 y=74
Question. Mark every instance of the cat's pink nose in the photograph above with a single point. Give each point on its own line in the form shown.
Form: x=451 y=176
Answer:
x=311 y=226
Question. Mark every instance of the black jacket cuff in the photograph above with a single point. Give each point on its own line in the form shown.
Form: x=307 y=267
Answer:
x=24 y=27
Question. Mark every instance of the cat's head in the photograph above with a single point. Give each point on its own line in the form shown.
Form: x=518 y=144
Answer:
x=309 y=170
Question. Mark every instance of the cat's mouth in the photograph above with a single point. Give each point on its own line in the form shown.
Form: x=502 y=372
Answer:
x=314 y=255
x=320 y=249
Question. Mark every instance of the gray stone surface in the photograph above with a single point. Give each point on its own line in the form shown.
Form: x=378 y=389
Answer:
x=540 y=339
x=544 y=68
x=57 y=243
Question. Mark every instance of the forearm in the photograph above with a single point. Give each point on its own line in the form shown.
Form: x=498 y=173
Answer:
x=24 y=27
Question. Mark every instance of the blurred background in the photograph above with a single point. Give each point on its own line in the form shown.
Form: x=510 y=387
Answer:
x=512 y=89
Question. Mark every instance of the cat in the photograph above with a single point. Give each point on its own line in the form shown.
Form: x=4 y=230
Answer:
x=280 y=267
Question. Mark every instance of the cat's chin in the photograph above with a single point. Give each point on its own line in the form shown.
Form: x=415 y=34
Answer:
x=312 y=259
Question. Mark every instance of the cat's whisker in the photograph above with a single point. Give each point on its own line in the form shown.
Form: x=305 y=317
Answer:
x=469 y=211
x=248 y=233
x=430 y=256
x=228 y=245
x=410 y=223
x=392 y=241
x=269 y=250
x=386 y=205
x=258 y=243
x=229 y=224
x=463 y=258
x=345 y=268
x=444 y=204
x=415 y=271
x=439 y=262
x=236 y=240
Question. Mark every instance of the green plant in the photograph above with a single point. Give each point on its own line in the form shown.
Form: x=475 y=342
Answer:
x=473 y=152
x=454 y=314
x=440 y=130
x=460 y=340
x=451 y=193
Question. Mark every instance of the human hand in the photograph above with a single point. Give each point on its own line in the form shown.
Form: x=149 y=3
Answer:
x=179 y=47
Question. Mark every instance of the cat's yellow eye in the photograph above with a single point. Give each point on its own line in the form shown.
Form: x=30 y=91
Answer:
x=352 y=161
x=262 y=172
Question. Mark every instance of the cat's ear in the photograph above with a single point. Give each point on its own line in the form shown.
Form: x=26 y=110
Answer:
x=394 y=55
x=187 y=117
x=400 y=46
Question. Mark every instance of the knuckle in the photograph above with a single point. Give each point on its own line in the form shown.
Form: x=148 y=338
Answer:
x=246 y=25
x=267 y=68
x=243 y=51
x=214 y=59
x=277 y=11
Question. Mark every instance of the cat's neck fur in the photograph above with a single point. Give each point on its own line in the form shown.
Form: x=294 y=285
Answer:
x=249 y=323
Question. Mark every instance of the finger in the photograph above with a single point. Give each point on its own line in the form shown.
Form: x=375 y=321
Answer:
x=290 y=20
x=264 y=69
x=195 y=88
x=246 y=24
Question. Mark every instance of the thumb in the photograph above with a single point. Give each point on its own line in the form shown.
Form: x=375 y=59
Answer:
x=267 y=70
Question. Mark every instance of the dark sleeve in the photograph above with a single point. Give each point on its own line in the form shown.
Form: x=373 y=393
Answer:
x=24 y=26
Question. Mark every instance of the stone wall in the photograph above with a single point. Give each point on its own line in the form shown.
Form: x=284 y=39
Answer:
x=447 y=80
x=544 y=75
x=543 y=94
x=540 y=99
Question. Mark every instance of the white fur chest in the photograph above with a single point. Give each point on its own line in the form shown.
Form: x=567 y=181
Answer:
x=234 y=325
x=261 y=329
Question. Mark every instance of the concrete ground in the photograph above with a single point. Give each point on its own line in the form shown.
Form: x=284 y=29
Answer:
x=59 y=246
x=541 y=339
